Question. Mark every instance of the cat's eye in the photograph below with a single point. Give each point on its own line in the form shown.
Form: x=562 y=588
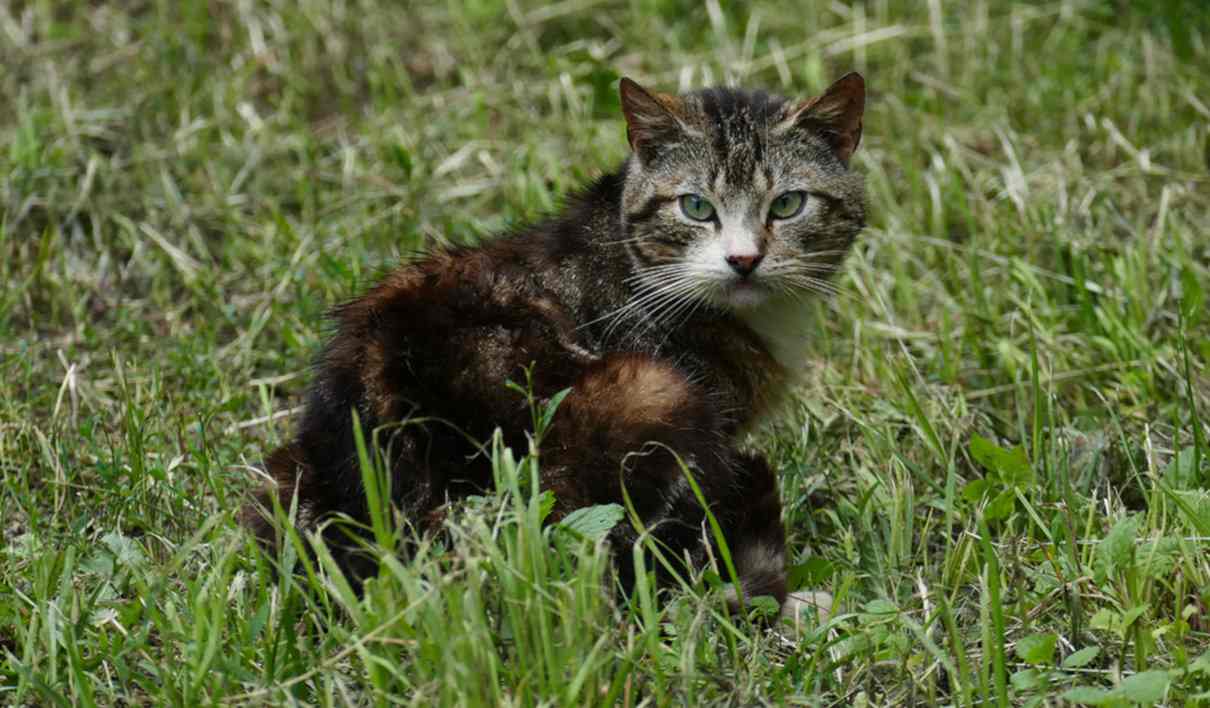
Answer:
x=787 y=205
x=696 y=208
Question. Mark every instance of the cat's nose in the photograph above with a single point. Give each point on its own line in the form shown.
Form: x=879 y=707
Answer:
x=744 y=265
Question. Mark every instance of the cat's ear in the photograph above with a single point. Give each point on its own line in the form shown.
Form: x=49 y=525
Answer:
x=652 y=118
x=836 y=114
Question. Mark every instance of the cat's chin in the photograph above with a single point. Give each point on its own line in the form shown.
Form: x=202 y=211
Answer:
x=746 y=296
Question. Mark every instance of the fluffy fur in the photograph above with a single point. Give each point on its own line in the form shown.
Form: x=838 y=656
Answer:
x=673 y=332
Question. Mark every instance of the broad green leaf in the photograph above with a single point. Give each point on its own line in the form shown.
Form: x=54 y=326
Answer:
x=1147 y=687
x=1117 y=548
x=974 y=490
x=1001 y=506
x=1201 y=664
x=1195 y=507
x=1081 y=658
x=881 y=607
x=878 y=610
x=1105 y=619
x=1010 y=465
x=126 y=551
x=1158 y=558
x=1129 y=616
x=546 y=502
x=808 y=574
x=594 y=521
x=100 y=564
x=1027 y=679
x=1180 y=473
x=1037 y=649
x=764 y=605
x=1089 y=696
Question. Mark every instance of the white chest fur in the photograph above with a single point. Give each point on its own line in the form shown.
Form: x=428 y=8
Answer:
x=782 y=325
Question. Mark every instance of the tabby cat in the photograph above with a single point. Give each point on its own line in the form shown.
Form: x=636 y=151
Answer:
x=667 y=295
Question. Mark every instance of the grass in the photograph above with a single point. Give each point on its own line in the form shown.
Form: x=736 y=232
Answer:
x=998 y=465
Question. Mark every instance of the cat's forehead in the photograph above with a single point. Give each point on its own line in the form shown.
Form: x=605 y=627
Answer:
x=735 y=126
x=734 y=114
x=733 y=142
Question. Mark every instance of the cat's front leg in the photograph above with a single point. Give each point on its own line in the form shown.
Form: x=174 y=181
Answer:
x=750 y=518
x=756 y=538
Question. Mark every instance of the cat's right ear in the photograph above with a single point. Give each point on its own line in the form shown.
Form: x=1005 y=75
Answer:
x=835 y=114
x=652 y=119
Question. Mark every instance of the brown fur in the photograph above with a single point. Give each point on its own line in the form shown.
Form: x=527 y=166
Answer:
x=423 y=357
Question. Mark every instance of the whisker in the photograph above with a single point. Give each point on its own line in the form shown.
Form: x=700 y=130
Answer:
x=812 y=265
x=643 y=292
x=672 y=309
x=622 y=241
x=650 y=302
x=818 y=286
x=663 y=310
x=697 y=304
x=672 y=268
x=670 y=293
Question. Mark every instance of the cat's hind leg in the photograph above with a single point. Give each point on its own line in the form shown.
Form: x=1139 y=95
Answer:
x=638 y=422
x=626 y=419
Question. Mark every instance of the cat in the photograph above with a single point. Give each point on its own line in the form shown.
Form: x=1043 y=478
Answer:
x=667 y=295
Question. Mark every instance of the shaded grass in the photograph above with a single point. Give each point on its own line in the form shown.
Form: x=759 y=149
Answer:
x=186 y=191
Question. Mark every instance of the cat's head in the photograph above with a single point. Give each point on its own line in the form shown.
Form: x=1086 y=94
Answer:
x=733 y=198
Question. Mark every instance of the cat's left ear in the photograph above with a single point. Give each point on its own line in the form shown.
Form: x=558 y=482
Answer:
x=652 y=119
x=836 y=114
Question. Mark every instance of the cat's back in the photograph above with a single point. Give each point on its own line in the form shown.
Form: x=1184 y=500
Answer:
x=444 y=333
x=423 y=359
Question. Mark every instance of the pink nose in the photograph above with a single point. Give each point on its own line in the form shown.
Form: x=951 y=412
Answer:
x=744 y=265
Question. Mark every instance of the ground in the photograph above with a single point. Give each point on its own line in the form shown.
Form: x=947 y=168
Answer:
x=998 y=464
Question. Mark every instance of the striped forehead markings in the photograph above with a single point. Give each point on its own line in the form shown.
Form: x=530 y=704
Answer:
x=739 y=121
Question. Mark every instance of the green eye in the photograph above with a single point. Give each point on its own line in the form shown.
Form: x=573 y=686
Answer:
x=787 y=205
x=697 y=208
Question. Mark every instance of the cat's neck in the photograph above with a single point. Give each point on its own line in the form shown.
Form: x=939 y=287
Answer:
x=782 y=326
x=759 y=354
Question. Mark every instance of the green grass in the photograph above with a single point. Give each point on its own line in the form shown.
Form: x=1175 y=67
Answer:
x=998 y=464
